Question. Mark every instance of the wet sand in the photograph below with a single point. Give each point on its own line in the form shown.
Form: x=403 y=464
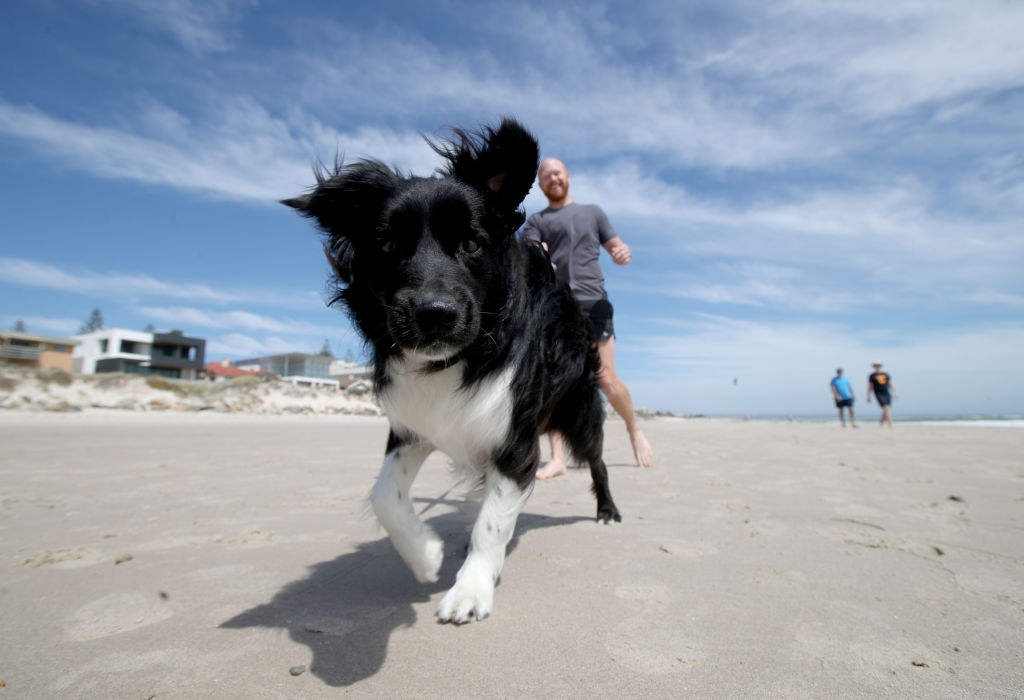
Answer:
x=166 y=555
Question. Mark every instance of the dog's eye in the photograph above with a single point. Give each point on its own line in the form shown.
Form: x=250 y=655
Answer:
x=387 y=246
x=470 y=246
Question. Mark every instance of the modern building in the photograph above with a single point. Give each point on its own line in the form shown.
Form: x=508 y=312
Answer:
x=41 y=351
x=170 y=354
x=295 y=367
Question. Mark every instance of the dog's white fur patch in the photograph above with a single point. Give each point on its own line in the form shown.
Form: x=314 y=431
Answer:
x=464 y=423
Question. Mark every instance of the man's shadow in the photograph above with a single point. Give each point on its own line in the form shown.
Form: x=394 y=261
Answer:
x=345 y=609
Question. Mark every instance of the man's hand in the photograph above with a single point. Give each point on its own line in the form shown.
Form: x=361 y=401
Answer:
x=619 y=251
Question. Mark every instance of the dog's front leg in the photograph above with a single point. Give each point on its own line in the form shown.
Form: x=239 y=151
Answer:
x=418 y=545
x=472 y=596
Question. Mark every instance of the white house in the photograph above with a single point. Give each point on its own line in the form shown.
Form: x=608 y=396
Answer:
x=120 y=350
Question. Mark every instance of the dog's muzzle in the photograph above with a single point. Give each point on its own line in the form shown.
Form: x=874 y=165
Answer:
x=436 y=319
x=432 y=326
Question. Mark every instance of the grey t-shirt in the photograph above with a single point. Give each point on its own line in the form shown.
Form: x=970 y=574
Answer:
x=574 y=235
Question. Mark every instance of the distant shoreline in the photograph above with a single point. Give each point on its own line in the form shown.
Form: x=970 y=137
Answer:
x=994 y=421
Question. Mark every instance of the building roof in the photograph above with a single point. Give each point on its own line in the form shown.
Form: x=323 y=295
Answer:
x=284 y=354
x=228 y=371
x=32 y=337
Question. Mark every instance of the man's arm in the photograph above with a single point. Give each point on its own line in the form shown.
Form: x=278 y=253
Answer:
x=868 y=399
x=618 y=250
x=531 y=232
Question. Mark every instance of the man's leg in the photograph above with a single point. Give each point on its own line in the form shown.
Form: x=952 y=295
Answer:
x=842 y=419
x=853 y=421
x=558 y=463
x=618 y=396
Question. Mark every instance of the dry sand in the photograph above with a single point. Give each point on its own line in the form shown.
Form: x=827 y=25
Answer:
x=166 y=555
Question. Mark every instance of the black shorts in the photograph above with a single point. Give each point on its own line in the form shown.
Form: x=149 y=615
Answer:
x=599 y=313
x=843 y=403
x=883 y=399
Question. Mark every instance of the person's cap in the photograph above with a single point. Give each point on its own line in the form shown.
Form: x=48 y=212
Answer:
x=839 y=369
x=876 y=364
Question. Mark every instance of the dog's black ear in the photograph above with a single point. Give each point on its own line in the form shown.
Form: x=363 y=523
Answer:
x=500 y=163
x=347 y=205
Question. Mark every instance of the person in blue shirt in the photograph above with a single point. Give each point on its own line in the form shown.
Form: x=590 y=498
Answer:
x=842 y=392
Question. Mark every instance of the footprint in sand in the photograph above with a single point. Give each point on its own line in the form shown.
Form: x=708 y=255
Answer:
x=116 y=613
x=641 y=642
x=69 y=558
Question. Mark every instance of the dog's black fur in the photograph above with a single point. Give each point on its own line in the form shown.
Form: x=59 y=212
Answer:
x=431 y=268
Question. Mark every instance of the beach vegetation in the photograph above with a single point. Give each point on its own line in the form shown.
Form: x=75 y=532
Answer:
x=54 y=376
x=177 y=387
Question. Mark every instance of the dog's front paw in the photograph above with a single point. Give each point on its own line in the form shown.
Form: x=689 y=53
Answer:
x=426 y=568
x=471 y=598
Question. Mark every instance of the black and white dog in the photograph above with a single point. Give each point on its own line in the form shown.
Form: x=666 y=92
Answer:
x=475 y=350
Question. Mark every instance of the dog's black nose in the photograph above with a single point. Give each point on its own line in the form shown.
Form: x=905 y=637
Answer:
x=434 y=317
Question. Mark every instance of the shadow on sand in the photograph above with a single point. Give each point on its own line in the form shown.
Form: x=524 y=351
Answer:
x=345 y=609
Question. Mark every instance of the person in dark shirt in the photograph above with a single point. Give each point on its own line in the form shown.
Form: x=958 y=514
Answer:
x=573 y=234
x=880 y=384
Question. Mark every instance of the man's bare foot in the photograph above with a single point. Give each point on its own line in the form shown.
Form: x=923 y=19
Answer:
x=552 y=469
x=641 y=448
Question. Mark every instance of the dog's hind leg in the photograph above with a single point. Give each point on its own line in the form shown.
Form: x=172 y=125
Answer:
x=584 y=432
x=472 y=596
x=415 y=541
x=606 y=510
x=591 y=454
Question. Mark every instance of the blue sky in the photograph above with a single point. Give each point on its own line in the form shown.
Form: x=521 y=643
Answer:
x=804 y=185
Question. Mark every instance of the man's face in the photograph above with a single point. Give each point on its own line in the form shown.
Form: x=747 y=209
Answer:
x=553 y=179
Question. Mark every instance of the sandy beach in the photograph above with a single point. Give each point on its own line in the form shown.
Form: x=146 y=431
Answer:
x=182 y=555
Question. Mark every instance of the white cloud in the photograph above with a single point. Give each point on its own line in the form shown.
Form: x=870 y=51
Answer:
x=242 y=152
x=244 y=320
x=244 y=346
x=877 y=59
x=133 y=287
x=247 y=155
x=201 y=27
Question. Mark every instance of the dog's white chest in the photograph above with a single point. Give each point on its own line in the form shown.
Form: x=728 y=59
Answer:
x=466 y=423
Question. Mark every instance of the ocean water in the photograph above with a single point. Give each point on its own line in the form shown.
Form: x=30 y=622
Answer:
x=970 y=421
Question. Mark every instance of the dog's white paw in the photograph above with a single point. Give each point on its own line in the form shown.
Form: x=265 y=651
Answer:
x=471 y=598
x=427 y=567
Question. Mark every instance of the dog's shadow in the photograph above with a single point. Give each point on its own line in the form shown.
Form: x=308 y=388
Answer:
x=345 y=609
